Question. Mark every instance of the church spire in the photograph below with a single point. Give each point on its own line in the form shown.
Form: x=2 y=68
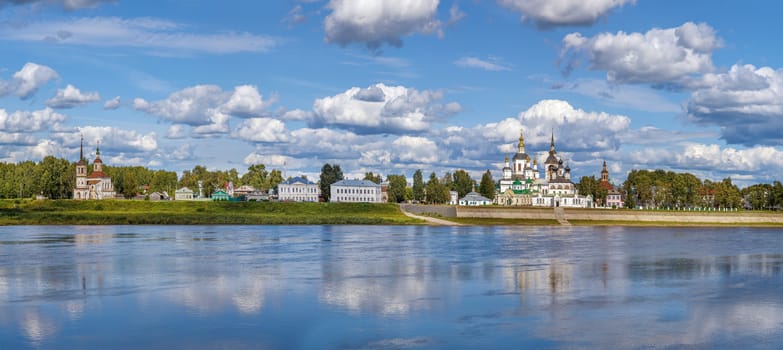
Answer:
x=552 y=143
x=521 y=141
x=98 y=148
x=81 y=149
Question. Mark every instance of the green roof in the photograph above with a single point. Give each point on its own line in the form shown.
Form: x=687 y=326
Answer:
x=517 y=182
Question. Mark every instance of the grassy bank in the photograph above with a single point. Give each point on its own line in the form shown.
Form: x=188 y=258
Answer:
x=120 y=212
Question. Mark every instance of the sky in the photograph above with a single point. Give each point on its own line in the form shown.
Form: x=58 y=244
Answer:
x=392 y=86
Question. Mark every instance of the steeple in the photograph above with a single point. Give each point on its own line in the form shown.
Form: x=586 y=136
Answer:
x=552 y=143
x=98 y=148
x=81 y=149
x=506 y=158
x=521 y=141
x=604 y=174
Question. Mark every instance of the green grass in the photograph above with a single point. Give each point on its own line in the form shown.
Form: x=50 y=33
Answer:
x=121 y=212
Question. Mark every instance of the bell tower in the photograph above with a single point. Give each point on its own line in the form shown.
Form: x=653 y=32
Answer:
x=81 y=190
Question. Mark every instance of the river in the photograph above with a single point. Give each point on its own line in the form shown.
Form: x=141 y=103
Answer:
x=315 y=287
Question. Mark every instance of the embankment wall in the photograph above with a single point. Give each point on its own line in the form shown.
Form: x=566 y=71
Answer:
x=600 y=215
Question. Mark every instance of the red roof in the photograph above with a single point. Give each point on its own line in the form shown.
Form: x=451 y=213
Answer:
x=606 y=185
x=98 y=160
x=97 y=175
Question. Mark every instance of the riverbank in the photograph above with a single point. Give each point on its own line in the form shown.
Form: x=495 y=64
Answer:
x=492 y=215
x=123 y=212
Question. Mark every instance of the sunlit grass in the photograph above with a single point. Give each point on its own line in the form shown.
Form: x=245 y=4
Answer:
x=116 y=212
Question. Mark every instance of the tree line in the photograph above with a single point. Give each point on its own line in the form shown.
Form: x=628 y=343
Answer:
x=667 y=189
x=55 y=178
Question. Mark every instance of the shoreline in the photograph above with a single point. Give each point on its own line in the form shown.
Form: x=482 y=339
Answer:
x=124 y=212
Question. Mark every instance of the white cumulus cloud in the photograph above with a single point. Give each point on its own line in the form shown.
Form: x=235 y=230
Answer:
x=111 y=138
x=553 y=13
x=379 y=22
x=746 y=102
x=414 y=149
x=659 y=56
x=29 y=121
x=27 y=80
x=112 y=104
x=382 y=109
x=261 y=130
x=70 y=97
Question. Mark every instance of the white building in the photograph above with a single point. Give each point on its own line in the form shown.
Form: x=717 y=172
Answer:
x=183 y=194
x=356 y=191
x=298 y=189
x=96 y=185
x=453 y=198
x=474 y=199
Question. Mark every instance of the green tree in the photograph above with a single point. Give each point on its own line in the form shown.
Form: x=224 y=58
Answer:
x=276 y=177
x=397 y=186
x=437 y=193
x=487 y=186
x=463 y=184
x=329 y=175
x=256 y=176
x=372 y=177
x=418 y=186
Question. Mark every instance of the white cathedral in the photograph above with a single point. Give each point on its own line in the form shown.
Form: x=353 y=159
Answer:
x=522 y=184
x=96 y=185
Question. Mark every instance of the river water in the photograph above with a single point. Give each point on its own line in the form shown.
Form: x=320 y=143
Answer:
x=302 y=287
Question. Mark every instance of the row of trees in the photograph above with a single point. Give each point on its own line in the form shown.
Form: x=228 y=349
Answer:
x=56 y=177
x=660 y=188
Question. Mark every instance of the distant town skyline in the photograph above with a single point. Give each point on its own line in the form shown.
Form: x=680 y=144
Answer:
x=391 y=86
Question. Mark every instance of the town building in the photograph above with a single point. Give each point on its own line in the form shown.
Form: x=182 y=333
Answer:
x=96 y=185
x=298 y=189
x=244 y=190
x=356 y=191
x=159 y=196
x=614 y=199
x=453 y=198
x=184 y=194
x=220 y=195
x=522 y=184
x=474 y=199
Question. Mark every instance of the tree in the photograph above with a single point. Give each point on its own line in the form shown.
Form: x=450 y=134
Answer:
x=437 y=193
x=418 y=186
x=462 y=183
x=397 y=186
x=372 y=177
x=256 y=176
x=276 y=177
x=329 y=175
x=487 y=186
x=727 y=195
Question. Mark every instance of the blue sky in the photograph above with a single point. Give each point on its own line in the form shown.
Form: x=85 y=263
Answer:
x=391 y=86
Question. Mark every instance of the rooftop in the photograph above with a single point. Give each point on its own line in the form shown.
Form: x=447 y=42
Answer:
x=356 y=183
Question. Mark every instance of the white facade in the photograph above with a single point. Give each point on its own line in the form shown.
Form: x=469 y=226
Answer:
x=474 y=199
x=356 y=191
x=183 y=194
x=298 y=190
x=453 y=198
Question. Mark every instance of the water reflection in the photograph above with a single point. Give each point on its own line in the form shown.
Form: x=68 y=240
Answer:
x=391 y=286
